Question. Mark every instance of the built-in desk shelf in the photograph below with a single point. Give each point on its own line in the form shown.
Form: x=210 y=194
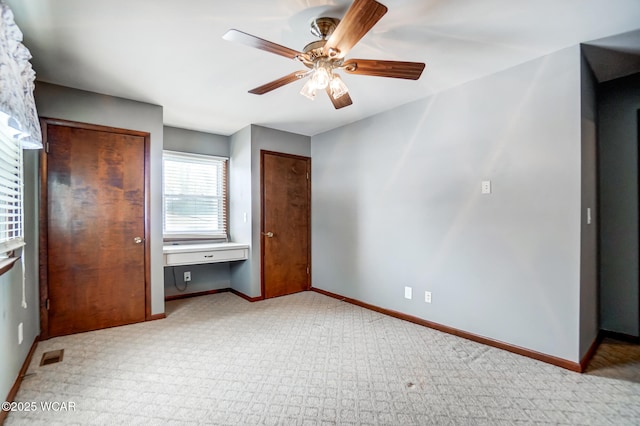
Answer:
x=193 y=254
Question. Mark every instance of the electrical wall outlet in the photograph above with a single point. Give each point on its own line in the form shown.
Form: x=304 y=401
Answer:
x=20 y=334
x=187 y=276
x=486 y=187
x=407 y=292
x=427 y=296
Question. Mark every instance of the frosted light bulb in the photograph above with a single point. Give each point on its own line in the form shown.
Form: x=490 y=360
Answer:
x=338 y=88
x=321 y=77
x=309 y=90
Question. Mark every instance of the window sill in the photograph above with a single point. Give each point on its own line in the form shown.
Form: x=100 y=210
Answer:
x=7 y=264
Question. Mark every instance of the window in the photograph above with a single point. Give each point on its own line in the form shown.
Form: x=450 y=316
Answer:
x=10 y=194
x=194 y=196
x=19 y=129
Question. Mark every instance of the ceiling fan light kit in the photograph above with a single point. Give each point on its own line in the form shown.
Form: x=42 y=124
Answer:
x=321 y=77
x=323 y=57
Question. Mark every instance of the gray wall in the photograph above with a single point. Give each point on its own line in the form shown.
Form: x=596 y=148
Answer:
x=77 y=105
x=396 y=202
x=589 y=321
x=203 y=277
x=12 y=354
x=206 y=277
x=618 y=105
x=250 y=141
x=184 y=140
x=240 y=217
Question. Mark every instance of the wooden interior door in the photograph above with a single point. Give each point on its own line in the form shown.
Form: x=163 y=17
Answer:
x=285 y=225
x=94 y=260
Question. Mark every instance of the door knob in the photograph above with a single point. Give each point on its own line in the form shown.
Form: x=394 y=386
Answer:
x=137 y=240
x=268 y=234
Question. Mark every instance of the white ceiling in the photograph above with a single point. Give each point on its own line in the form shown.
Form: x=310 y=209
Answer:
x=171 y=53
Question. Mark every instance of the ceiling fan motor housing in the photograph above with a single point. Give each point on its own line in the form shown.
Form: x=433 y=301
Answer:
x=323 y=28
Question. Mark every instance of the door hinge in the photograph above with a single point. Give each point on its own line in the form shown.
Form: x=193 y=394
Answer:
x=307 y=175
x=46 y=147
x=47 y=305
x=307 y=270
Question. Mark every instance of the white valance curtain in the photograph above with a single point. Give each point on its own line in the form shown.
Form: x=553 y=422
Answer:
x=18 y=115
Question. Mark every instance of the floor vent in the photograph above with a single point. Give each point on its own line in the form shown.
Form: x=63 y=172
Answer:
x=52 y=357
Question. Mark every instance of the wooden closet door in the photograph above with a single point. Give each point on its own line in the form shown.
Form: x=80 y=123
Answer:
x=95 y=230
x=286 y=213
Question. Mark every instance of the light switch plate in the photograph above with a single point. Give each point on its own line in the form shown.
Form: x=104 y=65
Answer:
x=407 y=293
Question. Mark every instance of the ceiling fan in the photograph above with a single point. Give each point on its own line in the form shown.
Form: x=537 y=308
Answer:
x=326 y=56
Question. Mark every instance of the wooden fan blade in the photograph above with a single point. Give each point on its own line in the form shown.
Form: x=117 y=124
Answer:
x=359 y=19
x=259 y=43
x=342 y=101
x=394 y=69
x=265 y=88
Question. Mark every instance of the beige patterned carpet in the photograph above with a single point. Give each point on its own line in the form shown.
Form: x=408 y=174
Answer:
x=307 y=359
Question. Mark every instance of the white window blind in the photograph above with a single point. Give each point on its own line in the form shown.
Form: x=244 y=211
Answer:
x=10 y=193
x=194 y=194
